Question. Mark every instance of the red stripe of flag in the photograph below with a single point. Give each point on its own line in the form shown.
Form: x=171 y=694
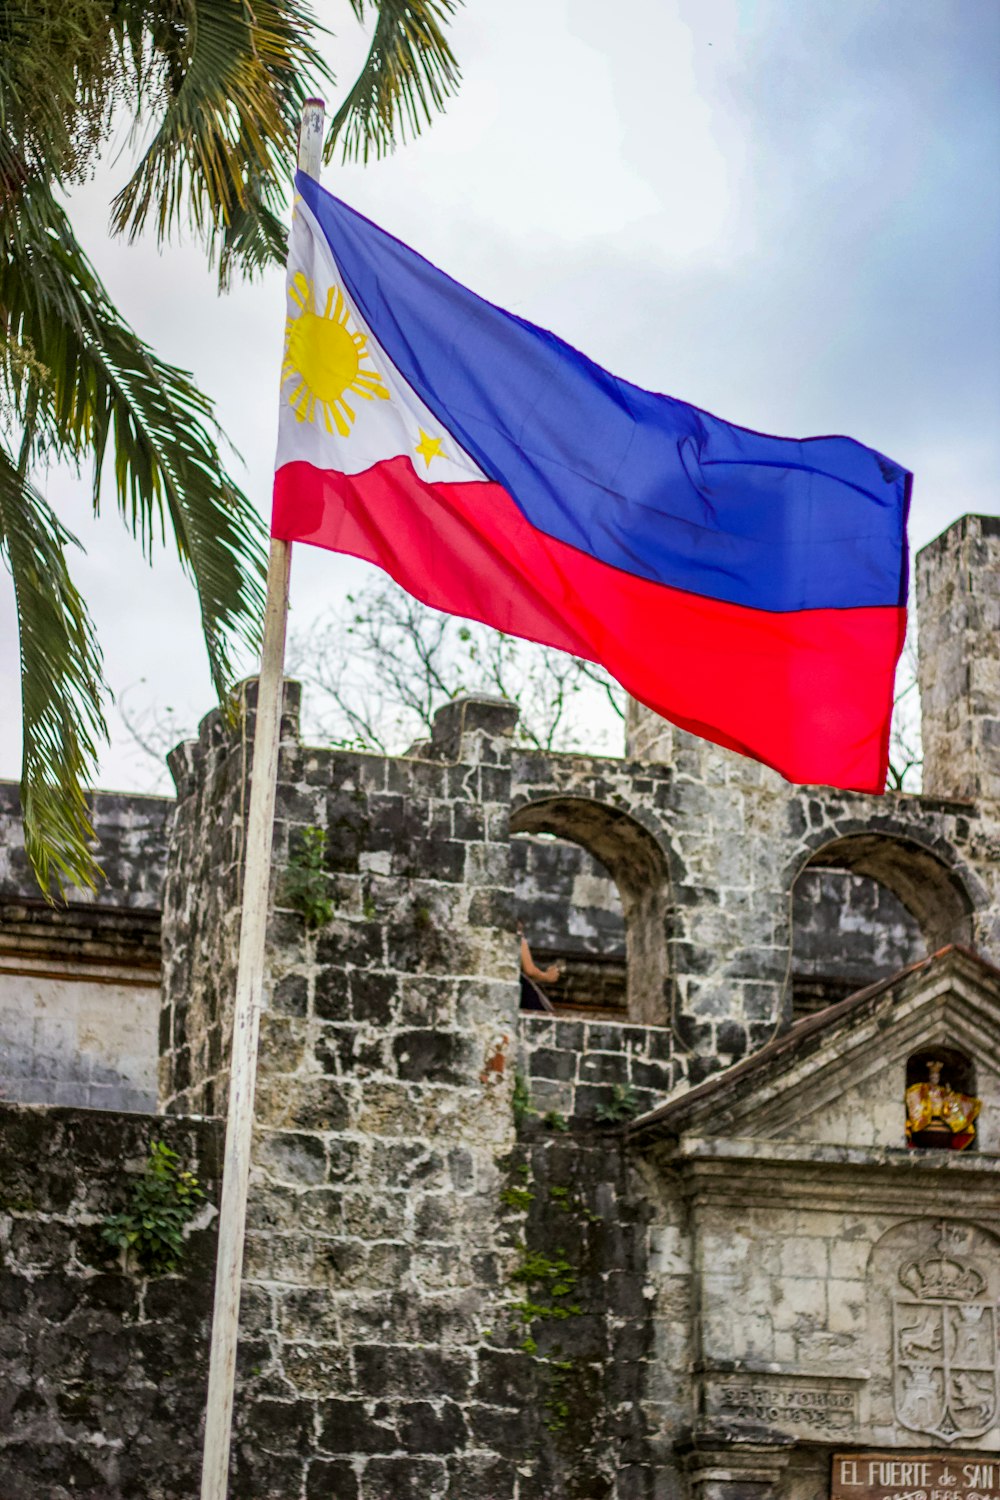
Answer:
x=804 y=691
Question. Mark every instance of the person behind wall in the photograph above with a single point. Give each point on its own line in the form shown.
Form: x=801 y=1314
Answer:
x=532 y=997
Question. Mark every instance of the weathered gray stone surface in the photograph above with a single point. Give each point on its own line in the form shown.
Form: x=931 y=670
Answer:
x=958 y=590
x=132 y=834
x=811 y=1234
x=103 y=1372
x=847 y=931
x=572 y=914
x=463 y=1278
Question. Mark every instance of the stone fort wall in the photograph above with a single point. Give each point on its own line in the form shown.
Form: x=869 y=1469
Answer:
x=450 y=1244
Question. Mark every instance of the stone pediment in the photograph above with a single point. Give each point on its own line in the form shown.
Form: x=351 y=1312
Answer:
x=838 y=1078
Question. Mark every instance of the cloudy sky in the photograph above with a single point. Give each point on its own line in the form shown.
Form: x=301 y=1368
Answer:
x=784 y=211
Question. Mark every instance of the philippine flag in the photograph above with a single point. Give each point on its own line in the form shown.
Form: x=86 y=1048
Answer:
x=751 y=589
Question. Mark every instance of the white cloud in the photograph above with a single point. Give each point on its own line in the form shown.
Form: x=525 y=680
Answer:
x=787 y=214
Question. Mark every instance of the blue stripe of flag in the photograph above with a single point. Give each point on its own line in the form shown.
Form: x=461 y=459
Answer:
x=644 y=482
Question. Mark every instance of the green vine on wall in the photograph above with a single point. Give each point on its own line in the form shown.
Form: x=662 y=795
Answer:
x=305 y=884
x=545 y=1284
x=162 y=1203
x=520 y=1101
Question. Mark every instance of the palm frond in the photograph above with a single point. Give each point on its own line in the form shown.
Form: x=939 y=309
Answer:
x=93 y=385
x=61 y=686
x=235 y=76
x=409 y=73
x=256 y=235
x=61 y=77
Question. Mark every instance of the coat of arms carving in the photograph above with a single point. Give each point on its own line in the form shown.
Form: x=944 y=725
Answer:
x=946 y=1380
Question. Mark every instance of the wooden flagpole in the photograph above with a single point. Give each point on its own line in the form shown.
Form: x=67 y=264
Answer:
x=249 y=975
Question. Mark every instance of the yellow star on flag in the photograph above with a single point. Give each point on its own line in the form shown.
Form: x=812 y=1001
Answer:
x=428 y=447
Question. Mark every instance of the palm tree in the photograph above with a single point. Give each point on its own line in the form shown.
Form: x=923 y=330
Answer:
x=218 y=85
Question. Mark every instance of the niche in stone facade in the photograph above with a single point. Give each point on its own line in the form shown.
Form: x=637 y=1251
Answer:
x=604 y=914
x=864 y=907
x=941 y=1103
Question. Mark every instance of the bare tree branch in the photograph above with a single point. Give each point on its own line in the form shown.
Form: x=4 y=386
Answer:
x=378 y=670
x=906 y=756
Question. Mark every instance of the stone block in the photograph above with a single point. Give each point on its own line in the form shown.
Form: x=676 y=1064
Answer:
x=849 y=1259
x=292 y=1157
x=332 y=998
x=846 y=1305
x=504 y=1379
x=806 y=1256
x=431 y=1427
x=282 y=1426
x=404 y=1479
x=547 y=1062
x=385 y=1369
x=352 y=1426
x=479 y=1476
x=435 y=1057
x=332 y=1479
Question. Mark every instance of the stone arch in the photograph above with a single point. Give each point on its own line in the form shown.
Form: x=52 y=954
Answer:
x=638 y=866
x=959 y=1065
x=923 y=879
x=866 y=903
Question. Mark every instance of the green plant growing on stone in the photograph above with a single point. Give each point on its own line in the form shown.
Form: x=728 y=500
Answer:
x=163 y=1202
x=555 y=1402
x=547 y=1280
x=555 y=1121
x=623 y=1105
x=520 y=1198
x=520 y=1101
x=19 y=1203
x=305 y=885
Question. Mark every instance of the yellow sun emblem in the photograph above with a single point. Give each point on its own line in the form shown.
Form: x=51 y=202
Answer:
x=326 y=356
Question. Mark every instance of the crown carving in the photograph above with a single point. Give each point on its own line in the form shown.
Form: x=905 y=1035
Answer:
x=941 y=1277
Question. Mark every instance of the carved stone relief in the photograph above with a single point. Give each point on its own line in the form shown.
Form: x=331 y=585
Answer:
x=945 y=1373
x=796 y=1405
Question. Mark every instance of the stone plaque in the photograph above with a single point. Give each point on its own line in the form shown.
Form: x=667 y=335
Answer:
x=903 y=1475
x=792 y=1404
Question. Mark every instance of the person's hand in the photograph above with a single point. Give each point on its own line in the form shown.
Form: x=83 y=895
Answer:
x=552 y=974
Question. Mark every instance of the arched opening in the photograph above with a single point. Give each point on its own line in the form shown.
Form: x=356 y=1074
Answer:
x=602 y=913
x=864 y=907
x=941 y=1103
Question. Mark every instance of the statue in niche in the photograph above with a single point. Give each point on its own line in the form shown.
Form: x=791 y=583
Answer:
x=937 y=1117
